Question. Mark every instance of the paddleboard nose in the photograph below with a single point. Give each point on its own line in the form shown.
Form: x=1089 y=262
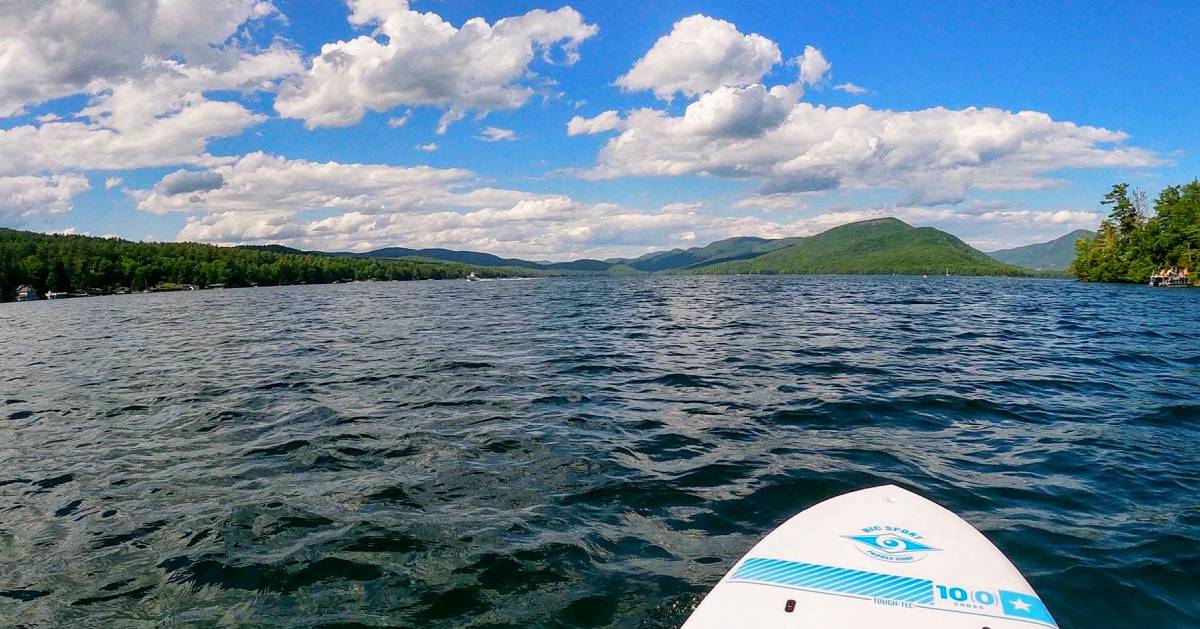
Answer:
x=878 y=557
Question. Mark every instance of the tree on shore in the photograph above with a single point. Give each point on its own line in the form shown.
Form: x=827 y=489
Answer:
x=50 y=262
x=1130 y=246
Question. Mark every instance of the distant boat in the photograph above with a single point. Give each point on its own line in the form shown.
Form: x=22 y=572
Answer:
x=1169 y=278
x=27 y=293
x=471 y=277
x=64 y=295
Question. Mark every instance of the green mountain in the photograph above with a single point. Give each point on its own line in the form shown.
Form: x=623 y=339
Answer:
x=878 y=246
x=473 y=258
x=737 y=248
x=1055 y=255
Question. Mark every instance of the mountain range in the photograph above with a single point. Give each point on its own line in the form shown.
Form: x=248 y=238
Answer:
x=1055 y=255
x=876 y=246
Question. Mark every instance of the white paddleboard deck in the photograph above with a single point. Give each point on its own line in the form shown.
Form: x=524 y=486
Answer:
x=873 y=559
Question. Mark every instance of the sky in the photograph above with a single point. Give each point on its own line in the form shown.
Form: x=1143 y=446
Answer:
x=593 y=129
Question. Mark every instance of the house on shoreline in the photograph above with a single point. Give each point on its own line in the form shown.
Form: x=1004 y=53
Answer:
x=27 y=293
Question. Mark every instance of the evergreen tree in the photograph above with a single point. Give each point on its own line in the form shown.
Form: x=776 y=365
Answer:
x=1124 y=213
x=78 y=263
x=1130 y=246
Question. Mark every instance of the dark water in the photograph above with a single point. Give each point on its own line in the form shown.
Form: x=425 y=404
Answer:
x=588 y=452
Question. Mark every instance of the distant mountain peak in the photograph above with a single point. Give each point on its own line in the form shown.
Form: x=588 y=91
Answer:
x=886 y=220
x=1052 y=255
x=875 y=246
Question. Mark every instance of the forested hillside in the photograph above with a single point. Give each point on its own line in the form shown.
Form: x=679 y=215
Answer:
x=84 y=263
x=878 y=246
x=1137 y=239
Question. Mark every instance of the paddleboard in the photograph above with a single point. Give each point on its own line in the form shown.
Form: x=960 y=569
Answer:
x=880 y=557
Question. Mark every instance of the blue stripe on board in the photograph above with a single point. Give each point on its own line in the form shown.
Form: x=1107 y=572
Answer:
x=836 y=580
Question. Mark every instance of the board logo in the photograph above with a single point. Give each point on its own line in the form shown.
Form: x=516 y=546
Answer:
x=893 y=544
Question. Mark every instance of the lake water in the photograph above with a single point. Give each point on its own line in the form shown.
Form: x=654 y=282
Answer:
x=579 y=452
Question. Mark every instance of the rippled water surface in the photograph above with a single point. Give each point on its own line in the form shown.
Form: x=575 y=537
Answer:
x=579 y=452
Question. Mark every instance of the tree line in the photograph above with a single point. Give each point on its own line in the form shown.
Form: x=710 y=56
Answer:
x=1139 y=239
x=82 y=263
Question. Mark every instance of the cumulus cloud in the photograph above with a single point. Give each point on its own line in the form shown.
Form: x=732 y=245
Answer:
x=778 y=202
x=557 y=227
x=146 y=66
x=55 y=48
x=850 y=88
x=550 y=227
x=737 y=127
x=187 y=182
x=335 y=206
x=27 y=197
x=418 y=59
x=813 y=66
x=606 y=121
x=937 y=155
x=330 y=205
x=737 y=112
x=700 y=54
x=987 y=225
x=428 y=148
x=112 y=182
x=258 y=182
x=242 y=227
x=167 y=87
x=175 y=139
x=496 y=134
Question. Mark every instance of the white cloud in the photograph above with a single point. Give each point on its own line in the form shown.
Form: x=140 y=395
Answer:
x=736 y=112
x=258 y=182
x=552 y=227
x=496 y=134
x=990 y=226
x=850 y=88
x=176 y=139
x=146 y=66
x=428 y=148
x=605 y=121
x=189 y=182
x=242 y=227
x=739 y=128
x=560 y=228
x=333 y=206
x=778 y=202
x=813 y=66
x=264 y=198
x=396 y=122
x=700 y=54
x=112 y=182
x=55 y=48
x=26 y=197
x=420 y=59
x=167 y=87
x=936 y=155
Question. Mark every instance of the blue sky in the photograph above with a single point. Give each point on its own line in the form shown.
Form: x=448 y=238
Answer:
x=323 y=124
